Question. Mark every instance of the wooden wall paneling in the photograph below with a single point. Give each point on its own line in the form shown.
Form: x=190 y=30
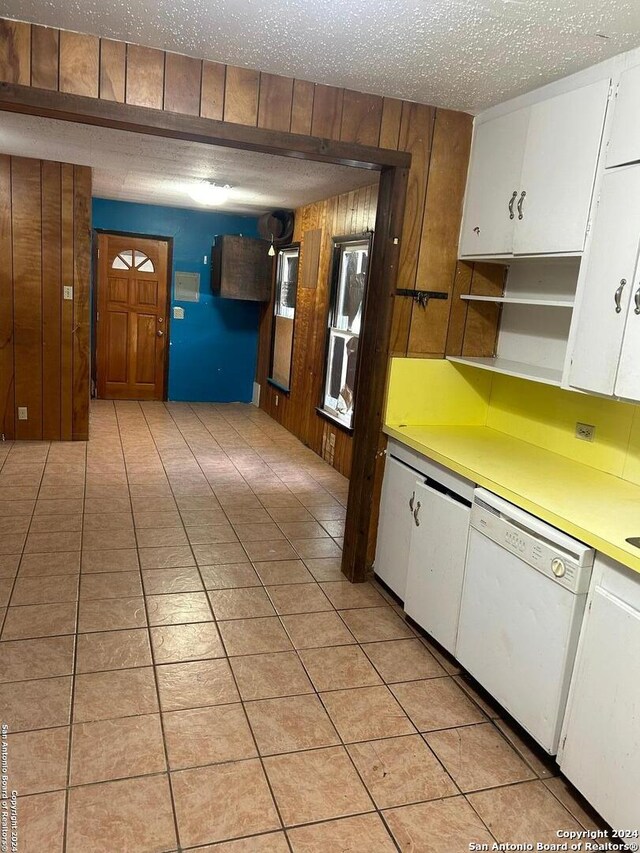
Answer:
x=51 y=300
x=361 y=117
x=81 y=290
x=390 y=123
x=416 y=132
x=44 y=57
x=302 y=107
x=182 y=84
x=327 y=112
x=483 y=318
x=241 y=95
x=79 y=64
x=458 y=308
x=113 y=70
x=67 y=322
x=145 y=76
x=27 y=293
x=213 y=85
x=275 y=101
x=310 y=258
x=15 y=52
x=7 y=389
x=438 y=252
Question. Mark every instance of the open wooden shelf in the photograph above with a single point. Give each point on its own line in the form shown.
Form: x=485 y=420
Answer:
x=546 y=375
x=521 y=300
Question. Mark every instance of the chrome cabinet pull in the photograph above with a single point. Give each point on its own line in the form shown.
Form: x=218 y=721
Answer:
x=511 y=203
x=636 y=310
x=617 y=297
x=520 y=202
x=411 y=500
x=415 y=514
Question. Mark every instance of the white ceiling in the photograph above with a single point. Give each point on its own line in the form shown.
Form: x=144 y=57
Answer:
x=149 y=169
x=462 y=54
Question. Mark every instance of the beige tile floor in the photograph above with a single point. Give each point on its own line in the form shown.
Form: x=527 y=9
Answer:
x=183 y=665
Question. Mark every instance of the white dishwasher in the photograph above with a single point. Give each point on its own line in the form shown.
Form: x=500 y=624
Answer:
x=523 y=599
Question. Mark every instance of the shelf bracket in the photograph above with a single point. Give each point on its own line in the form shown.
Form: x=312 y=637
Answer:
x=422 y=297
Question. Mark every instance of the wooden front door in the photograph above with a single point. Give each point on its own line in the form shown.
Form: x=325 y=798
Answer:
x=131 y=327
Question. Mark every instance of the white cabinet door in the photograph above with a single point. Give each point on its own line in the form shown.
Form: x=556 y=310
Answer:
x=394 y=526
x=558 y=171
x=628 y=378
x=494 y=177
x=436 y=564
x=601 y=733
x=607 y=283
x=624 y=142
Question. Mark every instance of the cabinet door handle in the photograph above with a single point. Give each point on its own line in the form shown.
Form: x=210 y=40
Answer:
x=636 y=297
x=617 y=296
x=520 y=202
x=511 y=203
x=411 y=500
x=415 y=514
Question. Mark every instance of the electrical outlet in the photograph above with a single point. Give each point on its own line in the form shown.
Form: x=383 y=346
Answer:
x=585 y=432
x=67 y=292
x=178 y=313
x=22 y=413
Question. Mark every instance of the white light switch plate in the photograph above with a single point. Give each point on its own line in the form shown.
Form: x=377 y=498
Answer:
x=67 y=292
x=178 y=313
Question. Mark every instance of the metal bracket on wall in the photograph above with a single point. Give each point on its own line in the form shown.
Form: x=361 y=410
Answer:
x=422 y=297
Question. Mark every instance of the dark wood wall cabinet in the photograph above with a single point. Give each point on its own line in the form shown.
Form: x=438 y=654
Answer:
x=241 y=268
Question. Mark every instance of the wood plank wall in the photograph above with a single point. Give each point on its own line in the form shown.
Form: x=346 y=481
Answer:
x=350 y=213
x=45 y=243
x=438 y=139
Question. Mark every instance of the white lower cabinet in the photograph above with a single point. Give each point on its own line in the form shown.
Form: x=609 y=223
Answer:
x=394 y=526
x=600 y=742
x=436 y=562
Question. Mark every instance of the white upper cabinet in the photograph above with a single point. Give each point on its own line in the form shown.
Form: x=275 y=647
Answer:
x=606 y=290
x=492 y=185
x=624 y=142
x=531 y=177
x=558 y=172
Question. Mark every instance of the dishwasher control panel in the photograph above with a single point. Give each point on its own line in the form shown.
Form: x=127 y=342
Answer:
x=563 y=559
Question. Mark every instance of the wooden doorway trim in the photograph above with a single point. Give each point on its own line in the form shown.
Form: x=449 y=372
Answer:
x=374 y=343
x=136 y=294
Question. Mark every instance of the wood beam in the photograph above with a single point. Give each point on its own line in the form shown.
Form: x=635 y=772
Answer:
x=154 y=122
x=372 y=371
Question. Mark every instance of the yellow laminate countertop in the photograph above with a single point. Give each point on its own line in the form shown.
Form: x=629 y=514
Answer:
x=597 y=508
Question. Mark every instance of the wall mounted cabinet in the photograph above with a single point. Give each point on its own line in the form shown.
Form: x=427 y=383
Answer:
x=624 y=142
x=606 y=348
x=241 y=268
x=531 y=177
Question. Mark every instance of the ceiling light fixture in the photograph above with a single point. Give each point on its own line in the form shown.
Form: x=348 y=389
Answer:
x=209 y=193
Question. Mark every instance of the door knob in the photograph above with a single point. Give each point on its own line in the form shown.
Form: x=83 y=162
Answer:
x=160 y=333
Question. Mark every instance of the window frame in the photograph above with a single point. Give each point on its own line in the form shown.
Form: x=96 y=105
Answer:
x=339 y=245
x=275 y=297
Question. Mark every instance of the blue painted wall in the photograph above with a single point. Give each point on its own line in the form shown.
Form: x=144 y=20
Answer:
x=212 y=357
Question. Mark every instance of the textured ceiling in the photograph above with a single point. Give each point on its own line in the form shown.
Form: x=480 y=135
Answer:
x=463 y=54
x=134 y=167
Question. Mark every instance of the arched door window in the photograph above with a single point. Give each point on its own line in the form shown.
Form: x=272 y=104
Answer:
x=133 y=259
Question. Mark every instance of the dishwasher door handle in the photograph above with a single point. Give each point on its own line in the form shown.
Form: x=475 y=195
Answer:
x=415 y=513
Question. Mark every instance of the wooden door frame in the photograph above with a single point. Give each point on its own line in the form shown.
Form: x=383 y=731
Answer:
x=94 y=300
x=368 y=441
